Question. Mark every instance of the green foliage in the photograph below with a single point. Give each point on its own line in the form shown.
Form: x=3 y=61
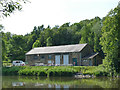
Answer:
x=97 y=71
x=34 y=71
x=11 y=70
x=47 y=70
x=110 y=41
x=36 y=44
x=55 y=70
x=91 y=33
x=9 y=6
x=17 y=47
x=4 y=47
x=6 y=63
x=103 y=35
x=61 y=71
x=49 y=41
x=84 y=32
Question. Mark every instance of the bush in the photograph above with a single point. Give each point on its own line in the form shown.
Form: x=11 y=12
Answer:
x=55 y=70
x=11 y=70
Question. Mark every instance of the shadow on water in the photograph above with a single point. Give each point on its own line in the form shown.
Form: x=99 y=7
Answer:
x=58 y=82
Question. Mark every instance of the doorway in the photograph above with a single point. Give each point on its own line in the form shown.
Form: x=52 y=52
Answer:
x=57 y=59
x=74 y=61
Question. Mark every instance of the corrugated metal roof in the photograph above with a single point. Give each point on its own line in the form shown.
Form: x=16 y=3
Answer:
x=57 y=49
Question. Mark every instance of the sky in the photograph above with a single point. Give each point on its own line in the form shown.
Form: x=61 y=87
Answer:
x=55 y=12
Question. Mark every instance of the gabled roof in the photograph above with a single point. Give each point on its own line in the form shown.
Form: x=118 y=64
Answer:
x=57 y=49
x=91 y=56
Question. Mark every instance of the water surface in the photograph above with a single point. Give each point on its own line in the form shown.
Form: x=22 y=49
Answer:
x=58 y=82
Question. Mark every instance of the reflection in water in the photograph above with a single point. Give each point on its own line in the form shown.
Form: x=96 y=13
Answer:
x=57 y=87
x=38 y=84
x=18 y=84
x=58 y=82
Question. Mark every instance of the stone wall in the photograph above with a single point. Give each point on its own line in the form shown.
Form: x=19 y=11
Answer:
x=86 y=62
x=86 y=51
x=97 y=60
x=31 y=60
x=43 y=58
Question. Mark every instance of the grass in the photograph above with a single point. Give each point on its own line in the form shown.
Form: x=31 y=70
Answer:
x=54 y=70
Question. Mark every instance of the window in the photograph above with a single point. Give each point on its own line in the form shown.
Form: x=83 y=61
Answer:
x=42 y=57
x=57 y=59
x=35 y=57
x=65 y=59
x=50 y=57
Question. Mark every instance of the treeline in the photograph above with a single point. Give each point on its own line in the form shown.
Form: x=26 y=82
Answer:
x=103 y=35
x=86 y=31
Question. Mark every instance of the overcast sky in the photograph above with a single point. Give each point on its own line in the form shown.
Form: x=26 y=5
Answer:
x=55 y=12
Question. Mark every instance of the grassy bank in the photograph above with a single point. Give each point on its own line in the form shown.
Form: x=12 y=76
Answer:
x=54 y=70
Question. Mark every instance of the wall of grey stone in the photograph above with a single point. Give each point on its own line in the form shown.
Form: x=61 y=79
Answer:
x=78 y=55
x=86 y=51
x=70 y=58
x=31 y=61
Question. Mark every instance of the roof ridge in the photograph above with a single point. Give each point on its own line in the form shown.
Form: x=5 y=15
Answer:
x=59 y=45
x=57 y=49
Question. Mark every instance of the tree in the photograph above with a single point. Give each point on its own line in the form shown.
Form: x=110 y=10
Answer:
x=17 y=47
x=4 y=47
x=49 y=41
x=9 y=6
x=96 y=29
x=84 y=34
x=36 y=44
x=6 y=8
x=1 y=27
x=110 y=41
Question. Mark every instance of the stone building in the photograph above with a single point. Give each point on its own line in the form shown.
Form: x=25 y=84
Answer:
x=78 y=55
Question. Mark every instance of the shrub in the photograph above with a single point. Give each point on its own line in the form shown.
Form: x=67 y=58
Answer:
x=55 y=70
x=11 y=70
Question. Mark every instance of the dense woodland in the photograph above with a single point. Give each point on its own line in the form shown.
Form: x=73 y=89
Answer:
x=86 y=31
x=103 y=35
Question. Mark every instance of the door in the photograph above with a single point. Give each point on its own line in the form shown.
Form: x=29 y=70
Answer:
x=74 y=61
x=57 y=59
x=65 y=59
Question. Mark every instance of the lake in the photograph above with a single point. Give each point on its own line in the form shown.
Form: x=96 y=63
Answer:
x=58 y=82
